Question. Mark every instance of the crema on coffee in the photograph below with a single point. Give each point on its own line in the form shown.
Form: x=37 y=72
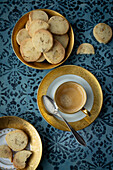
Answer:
x=70 y=97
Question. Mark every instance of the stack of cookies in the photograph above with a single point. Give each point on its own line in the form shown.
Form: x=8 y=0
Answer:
x=43 y=38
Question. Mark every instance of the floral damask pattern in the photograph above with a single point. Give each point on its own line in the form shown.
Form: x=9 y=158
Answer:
x=19 y=84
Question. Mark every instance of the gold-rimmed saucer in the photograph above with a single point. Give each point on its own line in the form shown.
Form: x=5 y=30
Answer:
x=34 y=138
x=92 y=81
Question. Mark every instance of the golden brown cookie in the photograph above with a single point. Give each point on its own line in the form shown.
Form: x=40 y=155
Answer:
x=42 y=40
x=20 y=158
x=38 y=15
x=17 y=140
x=37 y=25
x=5 y=152
x=28 y=51
x=41 y=59
x=58 y=25
x=102 y=33
x=85 y=48
x=27 y=25
x=22 y=35
x=63 y=39
x=56 y=54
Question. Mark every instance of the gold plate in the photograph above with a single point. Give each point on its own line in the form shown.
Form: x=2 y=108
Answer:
x=85 y=74
x=44 y=65
x=35 y=140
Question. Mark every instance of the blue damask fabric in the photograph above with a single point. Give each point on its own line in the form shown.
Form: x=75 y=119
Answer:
x=19 y=84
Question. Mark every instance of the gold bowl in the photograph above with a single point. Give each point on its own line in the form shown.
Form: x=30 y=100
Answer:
x=34 y=138
x=44 y=65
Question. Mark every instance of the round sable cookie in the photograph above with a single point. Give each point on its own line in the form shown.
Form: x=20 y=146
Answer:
x=38 y=15
x=56 y=54
x=42 y=40
x=27 y=25
x=5 y=152
x=37 y=25
x=20 y=158
x=41 y=59
x=102 y=33
x=28 y=51
x=17 y=140
x=22 y=35
x=85 y=48
x=63 y=39
x=58 y=25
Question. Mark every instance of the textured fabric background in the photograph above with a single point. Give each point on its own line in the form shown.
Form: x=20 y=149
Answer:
x=19 y=84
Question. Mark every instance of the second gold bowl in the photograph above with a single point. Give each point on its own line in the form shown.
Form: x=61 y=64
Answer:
x=34 y=138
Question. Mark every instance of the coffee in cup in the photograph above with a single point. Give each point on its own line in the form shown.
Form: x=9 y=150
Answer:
x=70 y=97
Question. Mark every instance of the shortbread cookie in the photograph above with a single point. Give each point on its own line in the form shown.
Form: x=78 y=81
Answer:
x=38 y=15
x=102 y=33
x=63 y=39
x=5 y=152
x=41 y=59
x=27 y=25
x=22 y=35
x=17 y=140
x=58 y=25
x=42 y=40
x=20 y=158
x=28 y=51
x=37 y=25
x=56 y=54
x=85 y=48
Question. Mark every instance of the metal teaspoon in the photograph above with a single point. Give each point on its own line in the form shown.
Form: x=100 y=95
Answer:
x=52 y=109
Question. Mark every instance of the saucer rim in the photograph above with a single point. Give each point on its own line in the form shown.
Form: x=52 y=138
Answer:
x=93 y=82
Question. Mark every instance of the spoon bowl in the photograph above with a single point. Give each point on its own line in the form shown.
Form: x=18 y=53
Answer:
x=53 y=110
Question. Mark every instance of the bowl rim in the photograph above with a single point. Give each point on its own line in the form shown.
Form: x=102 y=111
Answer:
x=51 y=66
x=41 y=149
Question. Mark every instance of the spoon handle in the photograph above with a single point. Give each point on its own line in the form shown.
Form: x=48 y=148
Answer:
x=76 y=135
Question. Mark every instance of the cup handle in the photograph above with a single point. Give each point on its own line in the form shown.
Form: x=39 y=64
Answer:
x=86 y=112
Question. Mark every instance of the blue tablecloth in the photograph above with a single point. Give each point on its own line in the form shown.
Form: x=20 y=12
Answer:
x=19 y=84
